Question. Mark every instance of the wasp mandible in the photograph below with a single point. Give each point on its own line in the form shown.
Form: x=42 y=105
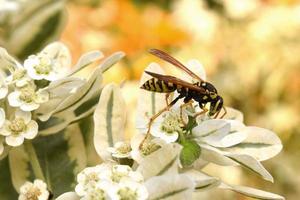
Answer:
x=202 y=92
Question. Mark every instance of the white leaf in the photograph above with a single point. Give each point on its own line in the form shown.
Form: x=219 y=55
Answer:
x=213 y=127
x=170 y=187
x=214 y=155
x=233 y=114
x=162 y=161
x=251 y=192
x=85 y=60
x=149 y=103
x=68 y=196
x=262 y=144
x=109 y=119
x=252 y=164
x=201 y=180
x=59 y=52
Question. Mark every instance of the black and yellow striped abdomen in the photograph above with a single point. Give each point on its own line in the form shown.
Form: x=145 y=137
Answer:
x=156 y=85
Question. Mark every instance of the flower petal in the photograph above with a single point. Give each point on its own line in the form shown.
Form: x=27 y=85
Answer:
x=32 y=130
x=13 y=99
x=2 y=117
x=26 y=116
x=30 y=106
x=14 y=140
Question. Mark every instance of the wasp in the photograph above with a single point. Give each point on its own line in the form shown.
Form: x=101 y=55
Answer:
x=201 y=91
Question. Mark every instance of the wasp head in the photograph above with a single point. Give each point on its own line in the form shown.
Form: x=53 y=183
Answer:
x=216 y=105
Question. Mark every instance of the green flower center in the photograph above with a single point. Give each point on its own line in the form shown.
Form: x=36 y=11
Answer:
x=18 y=74
x=97 y=194
x=124 y=148
x=33 y=193
x=17 y=126
x=44 y=66
x=92 y=177
x=127 y=194
x=27 y=95
x=148 y=148
x=171 y=123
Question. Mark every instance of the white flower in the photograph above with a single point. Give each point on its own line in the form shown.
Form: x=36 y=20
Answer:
x=129 y=190
x=2 y=117
x=120 y=172
x=20 y=127
x=42 y=66
x=27 y=99
x=98 y=192
x=19 y=77
x=34 y=191
x=120 y=150
x=89 y=177
x=149 y=146
x=168 y=126
x=3 y=88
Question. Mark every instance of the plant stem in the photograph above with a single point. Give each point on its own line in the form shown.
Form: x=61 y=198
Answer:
x=37 y=170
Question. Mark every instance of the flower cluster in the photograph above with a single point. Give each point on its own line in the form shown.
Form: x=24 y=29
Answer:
x=36 y=190
x=114 y=182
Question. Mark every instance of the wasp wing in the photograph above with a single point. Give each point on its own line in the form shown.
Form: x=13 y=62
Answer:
x=177 y=81
x=163 y=55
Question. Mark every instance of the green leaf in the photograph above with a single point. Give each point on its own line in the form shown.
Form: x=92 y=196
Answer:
x=44 y=23
x=19 y=175
x=109 y=119
x=190 y=152
x=7 y=190
x=61 y=156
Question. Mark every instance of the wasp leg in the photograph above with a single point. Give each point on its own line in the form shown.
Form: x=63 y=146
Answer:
x=201 y=112
x=189 y=103
x=155 y=116
x=225 y=112
x=167 y=98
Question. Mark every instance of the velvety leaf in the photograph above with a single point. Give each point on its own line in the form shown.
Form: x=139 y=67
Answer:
x=233 y=114
x=68 y=196
x=19 y=164
x=251 y=164
x=211 y=154
x=48 y=18
x=252 y=192
x=214 y=127
x=61 y=156
x=201 y=180
x=170 y=187
x=7 y=190
x=109 y=120
x=262 y=144
x=162 y=161
x=59 y=52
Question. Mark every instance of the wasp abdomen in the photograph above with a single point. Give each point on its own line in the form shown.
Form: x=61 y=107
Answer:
x=156 y=85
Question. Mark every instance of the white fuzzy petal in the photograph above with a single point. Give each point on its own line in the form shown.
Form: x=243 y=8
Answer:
x=32 y=130
x=14 y=140
x=13 y=99
x=26 y=116
x=2 y=117
x=3 y=92
x=30 y=106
